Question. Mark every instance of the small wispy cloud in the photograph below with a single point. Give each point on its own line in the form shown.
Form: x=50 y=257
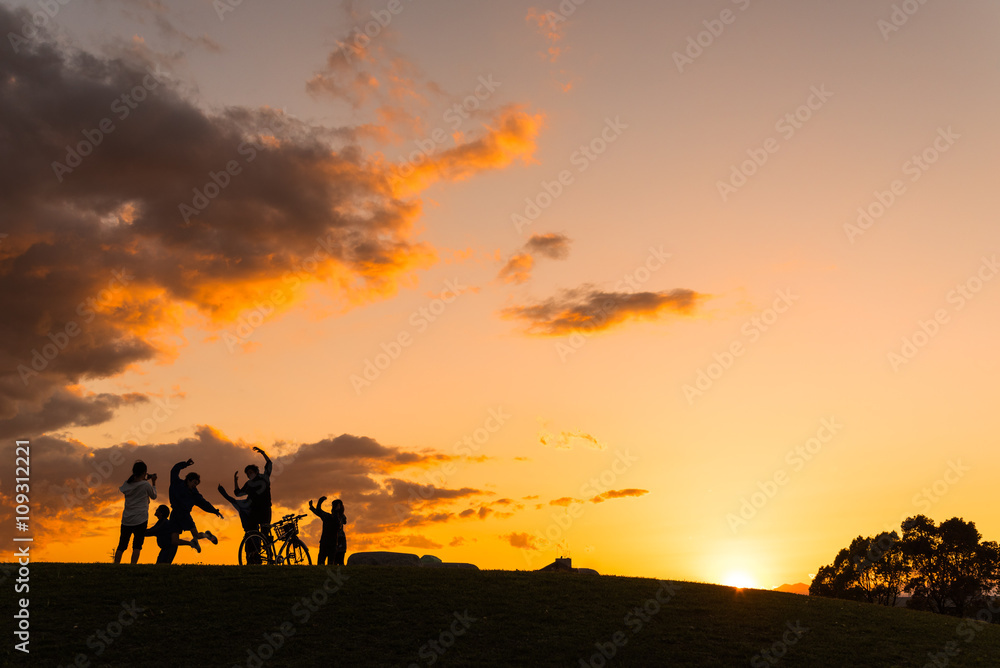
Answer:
x=518 y=268
x=589 y=309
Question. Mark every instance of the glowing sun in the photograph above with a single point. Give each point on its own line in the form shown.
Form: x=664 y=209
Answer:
x=740 y=580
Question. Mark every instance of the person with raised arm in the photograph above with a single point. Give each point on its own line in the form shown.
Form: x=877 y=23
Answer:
x=184 y=496
x=242 y=506
x=332 y=542
x=258 y=490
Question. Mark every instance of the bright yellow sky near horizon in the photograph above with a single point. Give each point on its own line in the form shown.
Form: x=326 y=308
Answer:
x=697 y=291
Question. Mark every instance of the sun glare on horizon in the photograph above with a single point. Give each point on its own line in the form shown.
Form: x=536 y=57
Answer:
x=740 y=580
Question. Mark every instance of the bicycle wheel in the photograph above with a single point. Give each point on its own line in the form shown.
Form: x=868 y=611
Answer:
x=296 y=552
x=255 y=549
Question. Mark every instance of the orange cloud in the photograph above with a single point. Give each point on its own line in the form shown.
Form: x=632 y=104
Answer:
x=187 y=217
x=566 y=501
x=565 y=440
x=550 y=26
x=552 y=246
x=417 y=541
x=364 y=75
x=517 y=270
x=346 y=75
x=618 y=494
x=524 y=541
x=511 y=136
x=591 y=310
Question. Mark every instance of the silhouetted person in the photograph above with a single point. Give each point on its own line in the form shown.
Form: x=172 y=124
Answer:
x=184 y=496
x=242 y=507
x=161 y=530
x=333 y=541
x=258 y=490
x=337 y=508
x=138 y=490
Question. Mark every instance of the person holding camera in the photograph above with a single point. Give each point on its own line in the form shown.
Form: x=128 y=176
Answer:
x=138 y=490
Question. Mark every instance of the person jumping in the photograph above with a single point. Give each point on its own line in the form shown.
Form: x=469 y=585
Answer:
x=184 y=496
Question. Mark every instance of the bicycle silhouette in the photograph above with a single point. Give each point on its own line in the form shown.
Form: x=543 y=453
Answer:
x=258 y=547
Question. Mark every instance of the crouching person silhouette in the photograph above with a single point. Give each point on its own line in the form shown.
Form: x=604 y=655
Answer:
x=161 y=531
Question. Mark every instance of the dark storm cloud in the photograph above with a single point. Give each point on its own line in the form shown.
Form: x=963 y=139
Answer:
x=66 y=409
x=121 y=200
x=124 y=203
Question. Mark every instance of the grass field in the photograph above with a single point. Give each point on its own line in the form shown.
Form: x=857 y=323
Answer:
x=106 y=615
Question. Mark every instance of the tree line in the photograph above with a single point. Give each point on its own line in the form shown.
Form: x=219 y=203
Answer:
x=945 y=568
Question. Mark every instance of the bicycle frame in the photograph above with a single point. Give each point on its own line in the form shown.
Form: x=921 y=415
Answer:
x=292 y=549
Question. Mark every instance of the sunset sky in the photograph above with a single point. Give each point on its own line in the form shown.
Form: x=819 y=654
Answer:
x=692 y=290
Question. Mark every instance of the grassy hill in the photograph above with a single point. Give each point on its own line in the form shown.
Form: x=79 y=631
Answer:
x=232 y=616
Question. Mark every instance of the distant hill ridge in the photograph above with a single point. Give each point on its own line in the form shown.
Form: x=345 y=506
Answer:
x=797 y=588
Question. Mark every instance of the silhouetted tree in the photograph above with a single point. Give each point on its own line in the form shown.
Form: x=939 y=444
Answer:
x=881 y=567
x=951 y=570
x=840 y=579
x=946 y=568
x=872 y=569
